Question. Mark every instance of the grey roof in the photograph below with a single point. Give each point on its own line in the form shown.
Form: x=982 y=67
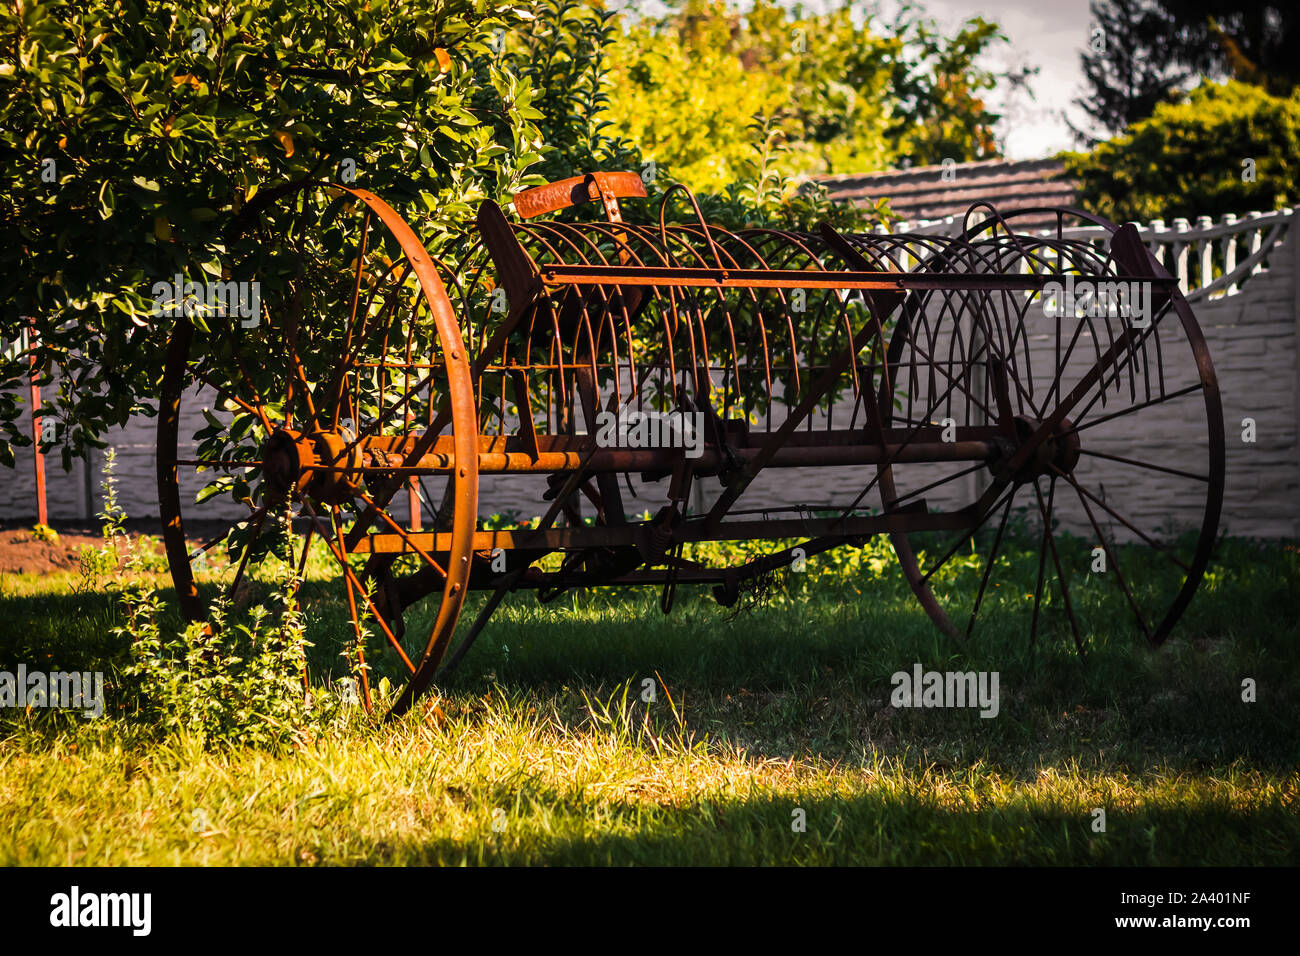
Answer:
x=923 y=193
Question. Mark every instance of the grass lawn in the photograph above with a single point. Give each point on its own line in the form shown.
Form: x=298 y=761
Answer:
x=544 y=750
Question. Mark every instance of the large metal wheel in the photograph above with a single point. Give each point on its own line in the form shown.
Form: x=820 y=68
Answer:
x=1086 y=501
x=324 y=415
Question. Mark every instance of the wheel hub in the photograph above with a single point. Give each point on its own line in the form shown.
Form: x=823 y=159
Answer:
x=1061 y=449
x=317 y=464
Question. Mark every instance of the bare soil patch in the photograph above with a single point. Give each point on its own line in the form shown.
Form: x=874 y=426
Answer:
x=23 y=553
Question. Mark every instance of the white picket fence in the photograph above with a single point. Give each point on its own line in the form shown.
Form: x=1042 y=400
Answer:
x=1210 y=260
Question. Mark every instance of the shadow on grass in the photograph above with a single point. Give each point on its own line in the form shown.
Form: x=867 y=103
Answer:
x=873 y=828
x=816 y=678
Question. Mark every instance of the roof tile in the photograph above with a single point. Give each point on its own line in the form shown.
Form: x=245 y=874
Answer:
x=923 y=193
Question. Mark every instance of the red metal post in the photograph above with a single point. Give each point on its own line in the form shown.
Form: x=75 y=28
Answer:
x=413 y=502
x=42 y=515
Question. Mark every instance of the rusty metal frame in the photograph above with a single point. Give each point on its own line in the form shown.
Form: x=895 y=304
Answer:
x=608 y=315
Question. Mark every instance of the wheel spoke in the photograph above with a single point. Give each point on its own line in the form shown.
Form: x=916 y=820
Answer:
x=1145 y=464
x=884 y=467
x=226 y=395
x=219 y=463
x=401 y=531
x=213 y=542
x=1122 y=520
x=1113 y=374
x=1042 y=559
x=306 y=550
x=340 y=555
x=356 y=287
x=248 y=382
x=988 y=568
x=297 y=583
x=337 y=389
x=1060 y=572
x=1134 y=408
x=1114 y=563
x=942 y=481
x=967 y=536
x=258 y=521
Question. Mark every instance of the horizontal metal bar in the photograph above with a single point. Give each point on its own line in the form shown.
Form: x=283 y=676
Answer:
x=809 y=279
x=554 y=454
x=399 y=445
x=554 y=539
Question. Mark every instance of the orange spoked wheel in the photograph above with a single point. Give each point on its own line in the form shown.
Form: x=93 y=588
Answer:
x=346 y=414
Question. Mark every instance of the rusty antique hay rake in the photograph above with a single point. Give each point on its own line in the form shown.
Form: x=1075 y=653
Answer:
x=914 y=365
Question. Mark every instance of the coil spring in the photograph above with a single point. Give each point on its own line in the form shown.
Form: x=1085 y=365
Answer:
x=661 y=535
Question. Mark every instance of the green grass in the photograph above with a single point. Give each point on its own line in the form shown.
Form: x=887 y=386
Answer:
x=543 y=751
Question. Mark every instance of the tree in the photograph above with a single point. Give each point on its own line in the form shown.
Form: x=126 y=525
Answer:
x=1135 y=60
x=141 y=140
x=845 y=95
x=1142 y=52
x=1255 y=41
x=1190 y=158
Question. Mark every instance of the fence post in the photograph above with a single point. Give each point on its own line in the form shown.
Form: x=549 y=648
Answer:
x=38 y=457
x=1207 y=252
x=1293 y=238
x=1180 y=255
x=1157 y=247
x=1256 y=240
x=1230 y=251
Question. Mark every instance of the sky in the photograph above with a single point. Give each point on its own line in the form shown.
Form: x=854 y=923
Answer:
x=1048 y=34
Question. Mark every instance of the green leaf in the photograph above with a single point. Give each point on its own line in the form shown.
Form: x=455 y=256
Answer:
x=107 y=200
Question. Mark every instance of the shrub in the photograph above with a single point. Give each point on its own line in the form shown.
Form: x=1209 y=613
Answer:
x=1187 y=158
